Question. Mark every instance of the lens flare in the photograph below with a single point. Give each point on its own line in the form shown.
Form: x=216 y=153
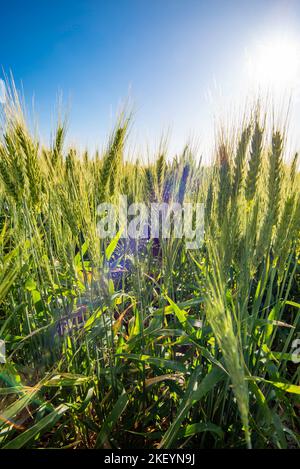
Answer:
x=274 y=63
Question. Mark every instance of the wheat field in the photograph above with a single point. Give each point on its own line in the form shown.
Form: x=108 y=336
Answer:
x=112 y=346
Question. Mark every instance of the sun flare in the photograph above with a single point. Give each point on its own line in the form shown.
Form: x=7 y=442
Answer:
x=275 y=63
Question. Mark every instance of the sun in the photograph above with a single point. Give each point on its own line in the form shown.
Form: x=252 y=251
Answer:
x=274 y=63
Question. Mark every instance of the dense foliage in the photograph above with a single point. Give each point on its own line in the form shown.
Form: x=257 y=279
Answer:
x=109 y=345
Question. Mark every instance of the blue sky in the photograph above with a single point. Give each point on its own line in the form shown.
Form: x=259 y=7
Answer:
x=179 y=61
